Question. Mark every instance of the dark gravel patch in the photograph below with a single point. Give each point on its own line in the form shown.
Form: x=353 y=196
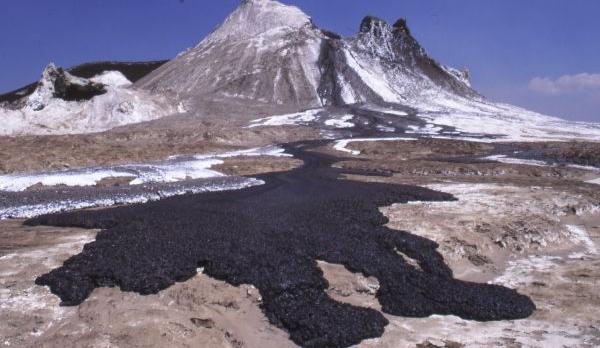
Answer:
x=46 y=200
x=271 y=236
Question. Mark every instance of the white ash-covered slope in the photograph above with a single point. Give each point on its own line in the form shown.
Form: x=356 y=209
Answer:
x=57 y=83
x=267 y=53
x=66 y=104
x=273 y=53
x=264 y=52
x=384 y=64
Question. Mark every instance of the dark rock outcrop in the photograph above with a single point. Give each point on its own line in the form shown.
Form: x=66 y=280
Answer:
x=73 y=89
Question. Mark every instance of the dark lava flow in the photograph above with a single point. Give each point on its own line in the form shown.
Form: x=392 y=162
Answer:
x=271 y=236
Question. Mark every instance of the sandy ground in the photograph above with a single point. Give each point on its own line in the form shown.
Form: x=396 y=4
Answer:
x=134 y=145
x=248 y=166
x=516 y=226
x=524 y=238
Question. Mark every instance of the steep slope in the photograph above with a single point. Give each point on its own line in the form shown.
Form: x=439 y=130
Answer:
x=267 y=52
x=384 y=63
x=264 y=52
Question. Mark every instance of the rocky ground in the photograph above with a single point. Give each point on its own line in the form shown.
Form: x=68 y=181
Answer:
x=530 y=227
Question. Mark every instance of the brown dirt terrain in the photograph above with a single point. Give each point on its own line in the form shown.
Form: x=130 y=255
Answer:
x=428 y=159
x=580 y=152
x=422 y=148
x=132 y=145
x=247 y=166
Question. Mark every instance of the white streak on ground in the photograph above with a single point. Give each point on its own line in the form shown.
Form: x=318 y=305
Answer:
x=86 y=177
x=341 y=122
x=510 y=160
x=385 y=128
x=577 y=166
x=595 y=181
x=509 y=123
x=520 y=272
x=580 y=235
x=29 y=211
x=427 y=129
x=465 y=138
x=385 y=110
x=340 y=145
x=174 y=169
x=287 y=119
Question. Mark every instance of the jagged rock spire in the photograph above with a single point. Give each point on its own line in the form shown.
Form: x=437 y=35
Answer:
x=401 y=26
x=373 y=25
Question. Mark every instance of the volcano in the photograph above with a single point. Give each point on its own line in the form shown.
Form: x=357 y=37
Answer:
x=268 y=54
x=268 y=58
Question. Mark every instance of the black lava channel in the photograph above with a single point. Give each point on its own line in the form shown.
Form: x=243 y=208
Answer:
x=271 y=236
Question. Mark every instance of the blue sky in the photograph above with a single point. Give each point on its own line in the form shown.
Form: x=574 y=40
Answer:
x=540 y=54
